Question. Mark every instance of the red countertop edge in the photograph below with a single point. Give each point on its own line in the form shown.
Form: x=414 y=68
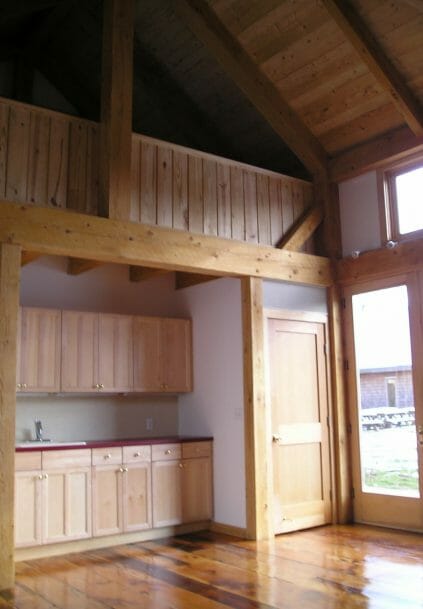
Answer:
x=121 y=442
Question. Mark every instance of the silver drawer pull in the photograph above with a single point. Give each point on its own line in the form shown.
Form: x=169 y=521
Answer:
x=108 y=456
x=137 y=454
x=168 y=452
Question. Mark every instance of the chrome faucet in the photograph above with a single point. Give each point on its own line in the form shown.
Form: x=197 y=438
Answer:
x=38 y=430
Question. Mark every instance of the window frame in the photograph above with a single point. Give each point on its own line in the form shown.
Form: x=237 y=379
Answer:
x=390 y=203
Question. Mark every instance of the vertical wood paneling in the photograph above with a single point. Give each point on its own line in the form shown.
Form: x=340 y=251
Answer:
x=275 y=202
x=39 y=136
x=4 y=135
x=17 y=154
x=77 y=168
x=287 y=208
x=148 y=183
x=195 y=194
x=224 y=201
x=250 y=203
x=298 y=199
x=237 y=201
x=135 y=180
x=164 y=186
x=263 y=209
x=58 y=162
x=210 y=197
x=93 y=169
x=180 y=190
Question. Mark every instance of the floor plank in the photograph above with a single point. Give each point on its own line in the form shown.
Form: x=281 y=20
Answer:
x=329 y=567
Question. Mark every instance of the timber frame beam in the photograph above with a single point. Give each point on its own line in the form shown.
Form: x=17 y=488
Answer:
x=61 y=233
x=302 y=230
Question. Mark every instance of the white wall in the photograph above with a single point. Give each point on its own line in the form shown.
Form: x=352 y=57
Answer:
x=359 y=210
x=217 y=403
x=44 y=283
x=294 y=297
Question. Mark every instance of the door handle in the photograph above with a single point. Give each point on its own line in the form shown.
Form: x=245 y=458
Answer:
x=277 y=439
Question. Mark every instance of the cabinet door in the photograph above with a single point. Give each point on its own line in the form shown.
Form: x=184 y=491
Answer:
x=196 y=490
x=137 y=496
x=39 y=352
x=147 y=354
x=107 y=500
x=176 y=355
x=167 y=500
x=28 y=508
x=115 y=363
x=79 y=351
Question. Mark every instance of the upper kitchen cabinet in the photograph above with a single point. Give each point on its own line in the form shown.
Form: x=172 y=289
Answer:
x=39 y=353
x=162 y=355
x=96 y=352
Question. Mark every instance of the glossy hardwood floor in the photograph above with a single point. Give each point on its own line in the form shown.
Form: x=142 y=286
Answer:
x=324 y=568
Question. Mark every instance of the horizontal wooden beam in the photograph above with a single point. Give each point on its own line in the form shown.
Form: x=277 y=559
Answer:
x=379 y=152
x=404 y=257
x=302 y=230
x=62 y=233
x=141 y=273
x=186 y=280
x=258 y=88
x=372 y=54
x=77 y=266
x=27 y=257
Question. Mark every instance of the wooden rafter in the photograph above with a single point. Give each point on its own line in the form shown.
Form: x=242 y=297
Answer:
x=186 y=280
x=57 y=232
x=77 y=266
x=254 y=83
x=376 y=60
x=141 y=273
x=302 y=230
x=381 y=151
x=116 y=109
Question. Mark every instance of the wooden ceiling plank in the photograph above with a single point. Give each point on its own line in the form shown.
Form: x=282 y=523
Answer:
x=77 y=266
x=302 y=230
x=186 y=280
x=116 y=109
x=377 y=153
x=141 y=273
x=56 y=232
x=379 y=65
x=253 y=82
x=28 y=257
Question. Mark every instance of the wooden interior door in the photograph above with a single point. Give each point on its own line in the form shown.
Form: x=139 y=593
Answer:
x=299 y=419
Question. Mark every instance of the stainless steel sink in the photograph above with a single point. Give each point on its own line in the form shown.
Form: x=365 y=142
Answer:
x=46 y=444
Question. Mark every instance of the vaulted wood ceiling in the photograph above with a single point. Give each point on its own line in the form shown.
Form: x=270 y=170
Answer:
x=290 y=85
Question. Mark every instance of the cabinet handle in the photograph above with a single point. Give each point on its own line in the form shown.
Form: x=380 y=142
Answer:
x=45 y=476
x=125 y=469
x=168 y=452
x=120 y=470
x=95 y=386
x=39 y=477
x=137 y=454
x=101 y=386
x=108 y=456
x=181 y=465
x=19 y=385
x=24 y=385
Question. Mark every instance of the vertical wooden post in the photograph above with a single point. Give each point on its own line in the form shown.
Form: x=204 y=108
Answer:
x=257 y=448
x=10 y=266
x=116 y=109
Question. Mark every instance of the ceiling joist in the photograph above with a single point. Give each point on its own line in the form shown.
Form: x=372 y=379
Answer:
x=261 y=92
x=77 y=266
x=141 y=273
x=302 y=230
x=186 y=280
x=377 y=62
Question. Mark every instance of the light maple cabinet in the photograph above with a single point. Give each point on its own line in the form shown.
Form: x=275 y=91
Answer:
x=96 y=352
x=197 y=483
x=167 y=484
x=162 y=354
x=121 y=489
x=52 y=497
x=39 y=353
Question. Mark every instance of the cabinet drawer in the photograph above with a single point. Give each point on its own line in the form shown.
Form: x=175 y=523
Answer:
x=107 y=456
x=190 y=450
x=66 y=458
x=27 y=461
x=134 y=454
x=166 y=452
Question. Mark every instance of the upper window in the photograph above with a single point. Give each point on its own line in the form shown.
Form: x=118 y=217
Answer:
x=405 y=205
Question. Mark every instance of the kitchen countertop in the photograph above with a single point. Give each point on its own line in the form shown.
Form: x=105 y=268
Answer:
x=105 y=443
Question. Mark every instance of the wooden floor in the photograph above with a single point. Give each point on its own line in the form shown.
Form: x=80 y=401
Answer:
x=324 y=568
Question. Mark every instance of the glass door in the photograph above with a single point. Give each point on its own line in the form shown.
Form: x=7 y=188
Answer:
x=384 y=341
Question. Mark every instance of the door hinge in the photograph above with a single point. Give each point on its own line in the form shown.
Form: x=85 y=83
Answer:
x=352 y=493
x=346 y=364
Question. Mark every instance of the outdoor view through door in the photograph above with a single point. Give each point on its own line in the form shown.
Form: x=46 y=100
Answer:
x=383 y=355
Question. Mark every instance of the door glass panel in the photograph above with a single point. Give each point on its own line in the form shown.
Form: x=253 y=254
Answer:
x=388 y=442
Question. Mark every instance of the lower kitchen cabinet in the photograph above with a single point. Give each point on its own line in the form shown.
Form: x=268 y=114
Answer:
x=121 y=489
x=197 y=500
x=53 y=500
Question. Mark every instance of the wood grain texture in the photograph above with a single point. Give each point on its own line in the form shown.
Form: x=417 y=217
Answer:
x=50 y=231
x=315 y=569
x=10 y=264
